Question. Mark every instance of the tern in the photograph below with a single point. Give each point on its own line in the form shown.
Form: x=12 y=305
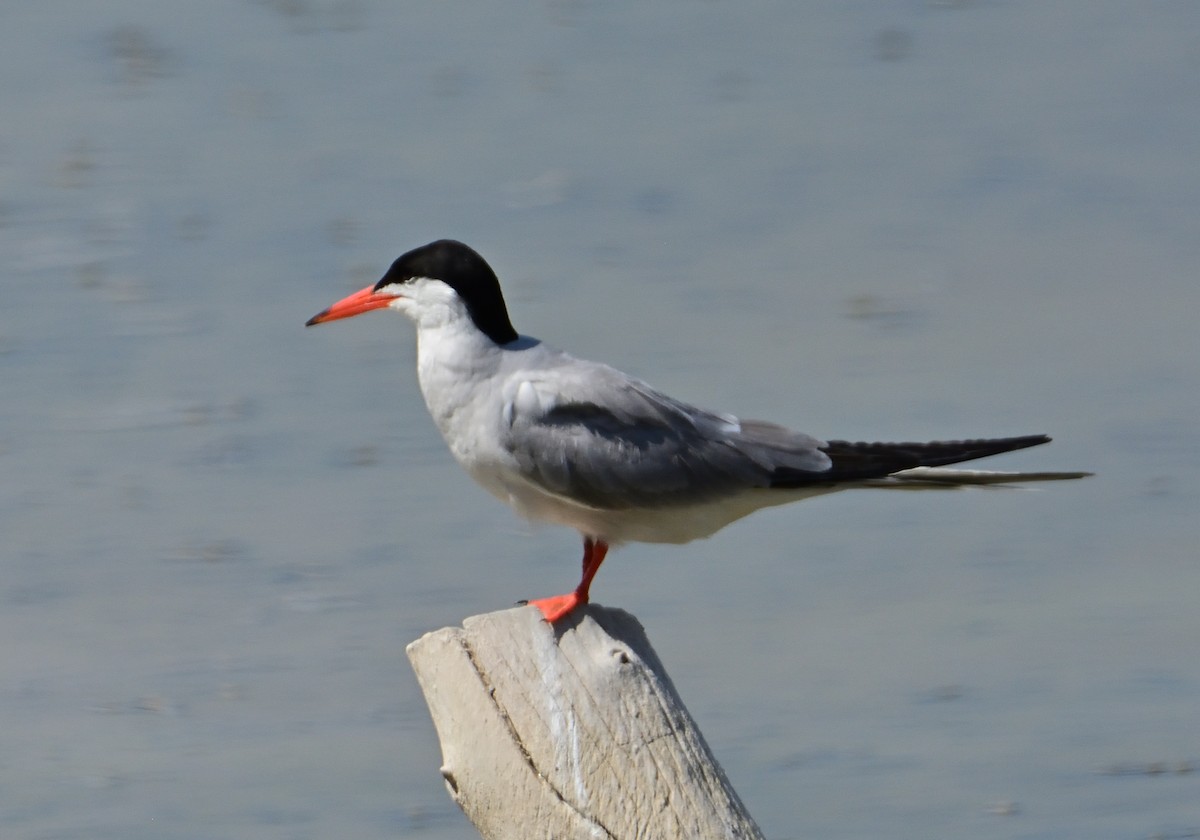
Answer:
x=581 y=444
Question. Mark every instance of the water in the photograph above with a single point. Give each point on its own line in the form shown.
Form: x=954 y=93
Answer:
x=920 y=220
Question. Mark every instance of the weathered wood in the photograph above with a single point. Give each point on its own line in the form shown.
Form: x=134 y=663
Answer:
x=572 y=731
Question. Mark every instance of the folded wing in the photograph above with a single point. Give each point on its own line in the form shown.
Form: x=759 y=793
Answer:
x=607 y=441
x=620 y=444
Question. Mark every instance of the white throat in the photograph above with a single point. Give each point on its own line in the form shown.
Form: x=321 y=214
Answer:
x=456 y=368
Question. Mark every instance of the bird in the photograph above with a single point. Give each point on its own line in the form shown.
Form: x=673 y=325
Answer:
x=580 y=444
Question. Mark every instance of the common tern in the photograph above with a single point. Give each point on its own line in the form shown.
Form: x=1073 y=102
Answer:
x=582 y=444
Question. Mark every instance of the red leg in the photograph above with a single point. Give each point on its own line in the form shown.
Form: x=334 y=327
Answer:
x=557 y=607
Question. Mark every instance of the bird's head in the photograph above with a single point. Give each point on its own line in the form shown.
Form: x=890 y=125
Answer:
x=434 y=283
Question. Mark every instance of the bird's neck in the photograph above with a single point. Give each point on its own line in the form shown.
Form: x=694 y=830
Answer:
x=456 y=364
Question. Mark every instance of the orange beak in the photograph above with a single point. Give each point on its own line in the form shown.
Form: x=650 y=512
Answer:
x=355 y=304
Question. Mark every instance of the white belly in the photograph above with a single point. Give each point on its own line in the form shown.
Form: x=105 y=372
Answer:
x=671 y=524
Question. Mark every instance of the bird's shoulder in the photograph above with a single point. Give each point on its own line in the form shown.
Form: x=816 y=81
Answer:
x=563 y=389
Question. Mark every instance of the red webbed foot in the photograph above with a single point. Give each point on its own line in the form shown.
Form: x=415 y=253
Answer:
x=557 y=607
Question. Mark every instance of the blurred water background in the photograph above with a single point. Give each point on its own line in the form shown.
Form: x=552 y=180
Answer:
x=866 y=220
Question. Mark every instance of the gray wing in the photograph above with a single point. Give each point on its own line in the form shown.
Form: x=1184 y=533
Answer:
x=590 y=433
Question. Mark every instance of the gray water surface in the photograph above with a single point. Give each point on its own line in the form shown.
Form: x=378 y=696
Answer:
x=218 y=530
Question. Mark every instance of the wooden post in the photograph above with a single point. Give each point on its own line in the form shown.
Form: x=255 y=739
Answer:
x=573 y=731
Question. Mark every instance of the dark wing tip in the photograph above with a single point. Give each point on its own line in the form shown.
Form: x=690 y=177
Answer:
x=858 y=461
